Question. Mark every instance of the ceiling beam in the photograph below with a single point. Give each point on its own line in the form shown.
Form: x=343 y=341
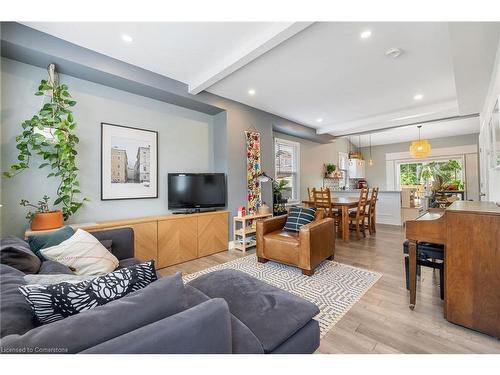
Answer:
x=245 y=55
x=392 y=119
x=438 y=120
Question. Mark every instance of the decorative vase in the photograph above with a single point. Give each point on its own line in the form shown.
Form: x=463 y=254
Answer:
x=47 y=220
x=264 y=209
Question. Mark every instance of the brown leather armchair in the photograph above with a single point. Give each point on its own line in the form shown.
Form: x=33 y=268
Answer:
x=305 y=249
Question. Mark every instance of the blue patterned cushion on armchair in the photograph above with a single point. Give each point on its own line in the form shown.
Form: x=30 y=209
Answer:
x=299 y=216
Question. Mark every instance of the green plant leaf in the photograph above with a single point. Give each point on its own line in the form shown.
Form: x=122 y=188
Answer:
x=60 y=156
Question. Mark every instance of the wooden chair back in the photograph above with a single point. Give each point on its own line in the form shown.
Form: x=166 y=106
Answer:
x=310 y=194
x=363 y=202
x=323 y=201
x=373 y=200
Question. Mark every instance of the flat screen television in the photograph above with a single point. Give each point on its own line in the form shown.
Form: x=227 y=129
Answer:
x=196 y=190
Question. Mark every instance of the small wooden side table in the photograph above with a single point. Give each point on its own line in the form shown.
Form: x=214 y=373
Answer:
x=243 y=227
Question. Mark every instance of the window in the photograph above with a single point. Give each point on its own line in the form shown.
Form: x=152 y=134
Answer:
x=409 y=173
x=287 y=156
x=448 y=173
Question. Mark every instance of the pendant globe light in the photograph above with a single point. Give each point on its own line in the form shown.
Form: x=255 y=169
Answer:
x=421 y=148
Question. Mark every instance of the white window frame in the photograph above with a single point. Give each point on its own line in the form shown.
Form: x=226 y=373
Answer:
x=397 y=165
x=392 y=158
x=295 y=163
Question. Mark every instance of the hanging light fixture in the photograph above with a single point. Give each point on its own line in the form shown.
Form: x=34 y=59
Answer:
x=421 y=148
x=370 y=161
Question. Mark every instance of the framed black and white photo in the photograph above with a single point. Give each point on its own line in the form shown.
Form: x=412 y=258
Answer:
x=129 y=162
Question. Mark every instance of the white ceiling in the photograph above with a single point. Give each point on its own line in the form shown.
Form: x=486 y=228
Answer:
x=304 y=72
x=329 y=72
x=190 y=52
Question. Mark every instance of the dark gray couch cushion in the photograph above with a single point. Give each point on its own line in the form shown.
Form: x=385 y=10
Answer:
x=243 y=340
x=16 y=253
x=16 y=314
x=122 y=241
x=203 y=329
x=51 y=267
x=76 y=333
x=272 y=314
x=125 y=263
x=305 y=341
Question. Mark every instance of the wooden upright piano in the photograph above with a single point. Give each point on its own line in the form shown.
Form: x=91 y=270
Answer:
x=470 y=232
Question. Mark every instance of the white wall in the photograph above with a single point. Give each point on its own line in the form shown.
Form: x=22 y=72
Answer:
x=492 y=191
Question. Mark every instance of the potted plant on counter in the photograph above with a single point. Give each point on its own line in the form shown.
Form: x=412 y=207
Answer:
x=50 y=134
x=330 y=170
x=43 y=217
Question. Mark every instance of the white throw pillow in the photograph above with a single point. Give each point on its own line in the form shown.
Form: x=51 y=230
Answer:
x=83 y=253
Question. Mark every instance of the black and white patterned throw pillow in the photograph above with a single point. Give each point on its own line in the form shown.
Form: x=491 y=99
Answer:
x=58 y=301
x=298 y=216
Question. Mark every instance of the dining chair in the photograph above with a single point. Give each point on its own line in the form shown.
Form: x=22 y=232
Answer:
x=370 y=213
x=310 y=194
x=322 y=200
x=357 y=218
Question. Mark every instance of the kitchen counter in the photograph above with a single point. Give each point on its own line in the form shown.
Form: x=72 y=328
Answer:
x=388 y=209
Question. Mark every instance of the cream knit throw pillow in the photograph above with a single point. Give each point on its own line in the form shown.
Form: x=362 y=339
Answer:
x=83 y=253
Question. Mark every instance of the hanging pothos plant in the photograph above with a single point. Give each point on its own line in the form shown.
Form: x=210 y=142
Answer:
x=51 y=134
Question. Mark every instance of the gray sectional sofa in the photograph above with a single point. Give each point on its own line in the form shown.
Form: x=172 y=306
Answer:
x=226 y=311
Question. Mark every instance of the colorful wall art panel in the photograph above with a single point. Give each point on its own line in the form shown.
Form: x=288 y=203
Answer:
x=253 y=170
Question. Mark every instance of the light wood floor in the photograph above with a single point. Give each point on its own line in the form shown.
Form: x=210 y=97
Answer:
x=381 y=321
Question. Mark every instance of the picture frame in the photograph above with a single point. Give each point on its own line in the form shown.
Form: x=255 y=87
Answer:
x=129 y=162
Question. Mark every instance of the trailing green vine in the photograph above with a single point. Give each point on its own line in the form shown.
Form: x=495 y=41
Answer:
x=58 y=150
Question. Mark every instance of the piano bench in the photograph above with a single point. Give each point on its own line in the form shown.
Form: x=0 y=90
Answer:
x=428 y=255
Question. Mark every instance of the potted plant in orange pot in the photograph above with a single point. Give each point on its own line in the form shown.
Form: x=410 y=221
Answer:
x=49 y=138
x=43 y=218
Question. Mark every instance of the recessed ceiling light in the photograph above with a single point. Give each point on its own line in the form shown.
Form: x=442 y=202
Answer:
x=366 y=34
x=418 y=97
x=127 y=38
x=319 y=120
x=251 y=92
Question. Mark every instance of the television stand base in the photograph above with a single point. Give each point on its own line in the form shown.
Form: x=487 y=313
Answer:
x=192 y=211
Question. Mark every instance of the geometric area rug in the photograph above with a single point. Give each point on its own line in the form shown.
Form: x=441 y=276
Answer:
x=334 y=287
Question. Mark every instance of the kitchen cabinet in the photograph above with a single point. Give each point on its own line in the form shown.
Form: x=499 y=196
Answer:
x=356 y=168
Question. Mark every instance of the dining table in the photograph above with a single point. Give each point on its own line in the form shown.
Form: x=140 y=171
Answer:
x=343 y=204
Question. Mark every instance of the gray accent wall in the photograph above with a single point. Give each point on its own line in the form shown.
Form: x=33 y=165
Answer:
x=376 y=174
x=186 y=144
